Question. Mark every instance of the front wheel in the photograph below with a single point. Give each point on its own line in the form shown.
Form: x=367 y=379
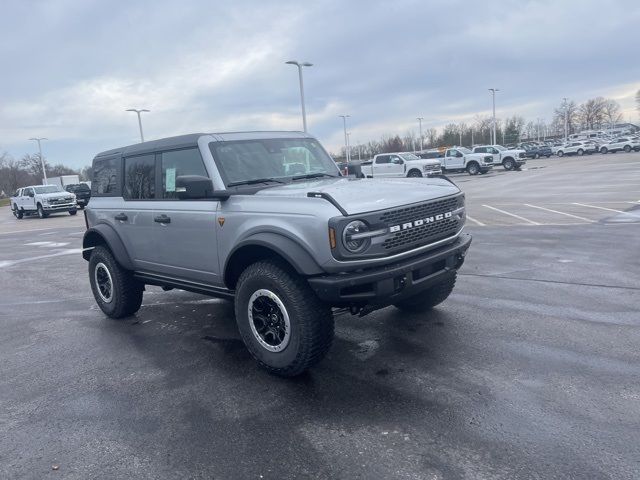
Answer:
x=560 y=153
x=603 y=150
x=284 y=325
x=508 y=164
x=473 y=168
x=17 y=212
x=580 y=152
x=627 y=148
x=117 y=293
x=73 y=212
x=414 y=174
x=41 y=212
x=429 y=298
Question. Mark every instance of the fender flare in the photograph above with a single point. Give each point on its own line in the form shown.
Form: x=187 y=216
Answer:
x=105 y=233
x=299 y=258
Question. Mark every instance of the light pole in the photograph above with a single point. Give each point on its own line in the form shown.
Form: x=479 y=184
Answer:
x=420 y=123
x=138 y=112
x=566 y=119
x=359 y=148
x=493 y=94
x=472 y=142
x=44 y=170
x=346 y=140
x=300 y=65
x=349 y=145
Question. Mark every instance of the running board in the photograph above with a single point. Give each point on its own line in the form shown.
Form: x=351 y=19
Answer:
x=195 y=287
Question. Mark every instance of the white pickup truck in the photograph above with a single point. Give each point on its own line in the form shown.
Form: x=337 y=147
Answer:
x=510 y=159
x=461 y=159
x=42 y=200
x=400 y=164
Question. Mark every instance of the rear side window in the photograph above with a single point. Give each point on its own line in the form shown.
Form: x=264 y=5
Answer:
x=140 y=177
x=106 y=174
x=383 y=159
x=177 y=163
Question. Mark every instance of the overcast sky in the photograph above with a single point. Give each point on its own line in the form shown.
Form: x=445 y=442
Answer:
x=69 y=68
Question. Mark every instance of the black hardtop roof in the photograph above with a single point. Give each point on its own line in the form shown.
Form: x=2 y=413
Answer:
x=191 y=140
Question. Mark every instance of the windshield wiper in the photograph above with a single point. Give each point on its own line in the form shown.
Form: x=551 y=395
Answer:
x=313 y=175
x=254 y=181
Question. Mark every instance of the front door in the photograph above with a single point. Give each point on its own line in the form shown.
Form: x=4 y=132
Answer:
x=454 y=159
x=184 y=230
x=396 y=167
x=28 y=201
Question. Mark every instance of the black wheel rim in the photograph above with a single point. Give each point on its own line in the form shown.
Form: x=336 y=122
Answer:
x=269 y=320
x=104 y=283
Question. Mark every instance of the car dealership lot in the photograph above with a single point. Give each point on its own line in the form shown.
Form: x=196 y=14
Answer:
x=530 y=369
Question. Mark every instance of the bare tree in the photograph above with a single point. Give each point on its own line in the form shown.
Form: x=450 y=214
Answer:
x=432 y=137
x=611 y=112
x=571 y=110
x=32 y=164
x=591 y=113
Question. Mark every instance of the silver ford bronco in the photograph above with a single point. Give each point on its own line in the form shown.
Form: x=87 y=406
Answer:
x=265 y=219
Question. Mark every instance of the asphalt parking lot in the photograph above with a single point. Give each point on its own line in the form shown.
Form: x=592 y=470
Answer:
x=531 y=369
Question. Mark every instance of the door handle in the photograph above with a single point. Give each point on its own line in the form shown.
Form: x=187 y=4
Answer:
x=162 y=219
x=121 y=217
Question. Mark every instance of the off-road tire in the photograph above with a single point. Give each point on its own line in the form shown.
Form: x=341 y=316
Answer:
x=311 y=321
x=127 y=291
x=17 y=212
x=426 y=300
x=508 y=164
x=73 y=212
x=414 y=173
x=473 y=168
x=41 y=212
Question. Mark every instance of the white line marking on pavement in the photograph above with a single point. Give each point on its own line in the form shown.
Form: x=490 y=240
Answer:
x=48 y=244
x=9 y=263
x=561 y=213
x=608 y=209
x=37 y=244
x=476 y=221
x=512 y=215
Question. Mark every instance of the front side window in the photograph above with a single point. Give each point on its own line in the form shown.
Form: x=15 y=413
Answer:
x=177 y=163
x=282 y=159
x=26 y=192
x=140 y=177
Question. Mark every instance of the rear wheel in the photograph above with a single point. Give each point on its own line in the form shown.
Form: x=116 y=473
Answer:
x=580 y=152
x=560 y=153
x=603 y=150
x=508 y=164
x=17 y=212
x=284 y=325
x=627 y=148
x=473 y=168
x=116 y=292
x=428 y=299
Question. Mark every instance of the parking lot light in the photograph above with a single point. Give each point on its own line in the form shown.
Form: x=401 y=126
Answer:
x=420 y=123
x=138 y=112
x=346 y=140
x=44 y=170
x=300 y=65
x=493 y=95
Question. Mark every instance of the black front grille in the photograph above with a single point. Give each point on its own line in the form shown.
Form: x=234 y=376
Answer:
x=421 y=210
x=430 y=231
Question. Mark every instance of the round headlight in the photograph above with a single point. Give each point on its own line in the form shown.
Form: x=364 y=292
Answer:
x=351 y=238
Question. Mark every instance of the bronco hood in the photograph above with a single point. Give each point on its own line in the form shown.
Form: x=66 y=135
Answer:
x=360 y=195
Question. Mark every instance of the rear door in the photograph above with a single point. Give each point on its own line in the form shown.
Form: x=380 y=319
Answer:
x=184 y=230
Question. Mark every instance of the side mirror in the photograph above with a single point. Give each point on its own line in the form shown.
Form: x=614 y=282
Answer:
x=196 y=187
x=397 y=161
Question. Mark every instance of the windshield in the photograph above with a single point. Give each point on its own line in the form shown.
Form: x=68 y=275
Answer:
x=48 y=189
x=409 y=156
x=464 y=150
x=247 y=160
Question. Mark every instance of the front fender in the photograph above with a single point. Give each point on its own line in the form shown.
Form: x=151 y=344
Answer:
x=104 y=233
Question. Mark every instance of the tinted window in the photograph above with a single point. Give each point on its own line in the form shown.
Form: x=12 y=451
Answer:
x=177 y=163
x=27 y=191
x=480 y=150
x=140 y=177
x=106 y=173
x=383 y=159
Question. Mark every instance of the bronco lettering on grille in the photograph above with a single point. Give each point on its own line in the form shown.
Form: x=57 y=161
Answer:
x=422 y=221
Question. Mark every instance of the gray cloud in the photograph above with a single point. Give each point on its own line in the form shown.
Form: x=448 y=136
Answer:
x=71 y=68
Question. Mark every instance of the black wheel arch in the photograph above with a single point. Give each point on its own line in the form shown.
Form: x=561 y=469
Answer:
x=267 y=245
x=105 y=234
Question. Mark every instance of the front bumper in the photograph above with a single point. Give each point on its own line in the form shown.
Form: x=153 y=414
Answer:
x=64 y=207
x=385 y=285
x=485 y=167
